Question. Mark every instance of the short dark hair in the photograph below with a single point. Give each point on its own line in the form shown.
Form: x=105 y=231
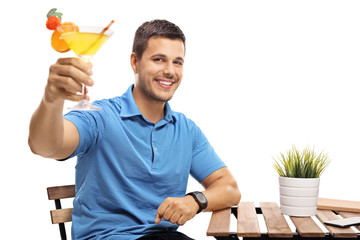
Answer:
x=162 y=28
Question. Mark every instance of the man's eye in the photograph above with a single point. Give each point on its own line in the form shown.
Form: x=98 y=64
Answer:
x=158 y=60
x=178 y=63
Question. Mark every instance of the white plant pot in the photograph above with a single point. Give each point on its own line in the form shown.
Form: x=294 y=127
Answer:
x=299 y=196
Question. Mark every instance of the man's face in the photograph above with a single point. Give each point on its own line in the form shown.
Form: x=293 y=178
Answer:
x=159 y=72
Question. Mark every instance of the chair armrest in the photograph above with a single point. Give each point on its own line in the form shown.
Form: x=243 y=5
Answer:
x=219 y=223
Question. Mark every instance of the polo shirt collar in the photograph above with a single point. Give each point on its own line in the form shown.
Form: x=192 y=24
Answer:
x=128 y=105
x=130 y=109
x=169 y=113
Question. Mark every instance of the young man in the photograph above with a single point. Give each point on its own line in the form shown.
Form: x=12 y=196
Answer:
x=134 y=156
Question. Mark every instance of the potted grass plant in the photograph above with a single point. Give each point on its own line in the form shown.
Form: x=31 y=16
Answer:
x=299 y=179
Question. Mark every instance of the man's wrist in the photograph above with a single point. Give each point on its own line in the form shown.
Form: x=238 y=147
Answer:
x=192 y=203
x=50 y=100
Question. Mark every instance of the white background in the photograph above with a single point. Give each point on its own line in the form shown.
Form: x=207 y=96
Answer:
x=259 y=77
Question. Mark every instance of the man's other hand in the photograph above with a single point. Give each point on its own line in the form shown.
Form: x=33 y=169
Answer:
x=177 y=210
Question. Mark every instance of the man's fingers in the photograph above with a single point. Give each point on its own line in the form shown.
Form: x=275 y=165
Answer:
x=162 y=210
x=66 y=78
x=163 y=206
x=182 y=220
x=86 y=67
x=73 y=97
x=157 y=218
x=177 y=210
x=71 y=72
x=67 y=83
x=175 y=217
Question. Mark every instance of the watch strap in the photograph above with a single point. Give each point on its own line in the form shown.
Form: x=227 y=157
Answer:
x=200 y=200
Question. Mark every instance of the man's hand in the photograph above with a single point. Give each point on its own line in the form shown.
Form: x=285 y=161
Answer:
x=50 y=135
x=65 y=80
x=177 y=210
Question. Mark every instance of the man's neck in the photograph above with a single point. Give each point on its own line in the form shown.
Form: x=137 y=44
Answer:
x=152 y=110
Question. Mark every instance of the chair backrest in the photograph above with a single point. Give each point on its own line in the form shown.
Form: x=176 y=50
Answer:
x=60 y=215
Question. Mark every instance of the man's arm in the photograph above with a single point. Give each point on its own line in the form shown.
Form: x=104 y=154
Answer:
x=50 y=135
x=221 y=191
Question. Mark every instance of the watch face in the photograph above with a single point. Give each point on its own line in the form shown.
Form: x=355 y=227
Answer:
x=200 y=197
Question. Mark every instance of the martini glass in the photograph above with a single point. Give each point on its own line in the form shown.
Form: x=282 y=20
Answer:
x=85 y=41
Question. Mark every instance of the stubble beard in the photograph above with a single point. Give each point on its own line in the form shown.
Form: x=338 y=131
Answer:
x=153 y=96
x=157 y=97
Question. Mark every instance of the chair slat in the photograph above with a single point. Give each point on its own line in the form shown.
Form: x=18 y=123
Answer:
x=350 y=214
x=275 y=222
x=325 y=215
x=61 y=192
x=307 y=227
x=247 y=221
x=338 y=205
x=219 y=223
x=61 y=215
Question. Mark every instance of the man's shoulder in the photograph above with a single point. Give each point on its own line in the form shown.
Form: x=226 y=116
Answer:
x=113 y=104
x=182 y=119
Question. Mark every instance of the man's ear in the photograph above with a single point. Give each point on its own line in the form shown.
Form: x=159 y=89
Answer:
x=133 y=62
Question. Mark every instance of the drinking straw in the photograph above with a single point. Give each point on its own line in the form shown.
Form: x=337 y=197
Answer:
x=107 y=27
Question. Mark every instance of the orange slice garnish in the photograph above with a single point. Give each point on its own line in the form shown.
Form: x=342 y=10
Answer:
x=57 y=42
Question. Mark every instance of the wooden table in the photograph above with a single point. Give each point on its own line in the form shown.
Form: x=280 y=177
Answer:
x=277 y=226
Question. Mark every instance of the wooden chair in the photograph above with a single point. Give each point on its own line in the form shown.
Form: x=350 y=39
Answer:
x=276 y=224
x=61 y=216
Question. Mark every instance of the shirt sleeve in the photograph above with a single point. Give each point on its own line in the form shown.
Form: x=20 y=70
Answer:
x=204 y=158
x=87 y=126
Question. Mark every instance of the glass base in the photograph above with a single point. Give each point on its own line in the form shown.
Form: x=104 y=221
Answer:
x=84 y=105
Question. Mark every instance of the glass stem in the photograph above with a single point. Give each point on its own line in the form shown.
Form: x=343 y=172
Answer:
x=83 y=92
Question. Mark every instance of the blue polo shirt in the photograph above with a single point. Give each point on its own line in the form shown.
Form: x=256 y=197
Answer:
x=127 y=166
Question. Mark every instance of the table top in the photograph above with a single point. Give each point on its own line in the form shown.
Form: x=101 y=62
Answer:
x=277 y=225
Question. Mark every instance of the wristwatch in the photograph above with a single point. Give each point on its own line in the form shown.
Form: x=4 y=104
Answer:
x=200 y=200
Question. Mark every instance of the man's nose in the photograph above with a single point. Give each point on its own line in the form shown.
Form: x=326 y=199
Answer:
x=169 y=70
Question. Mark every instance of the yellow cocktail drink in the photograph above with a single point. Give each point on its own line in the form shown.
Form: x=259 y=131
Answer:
x=85 y=41
x=84 y=44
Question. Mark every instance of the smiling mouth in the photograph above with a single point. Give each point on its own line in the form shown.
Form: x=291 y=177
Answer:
x=164 y=84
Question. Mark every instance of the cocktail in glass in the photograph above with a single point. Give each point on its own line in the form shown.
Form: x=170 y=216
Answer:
x=85 y=41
